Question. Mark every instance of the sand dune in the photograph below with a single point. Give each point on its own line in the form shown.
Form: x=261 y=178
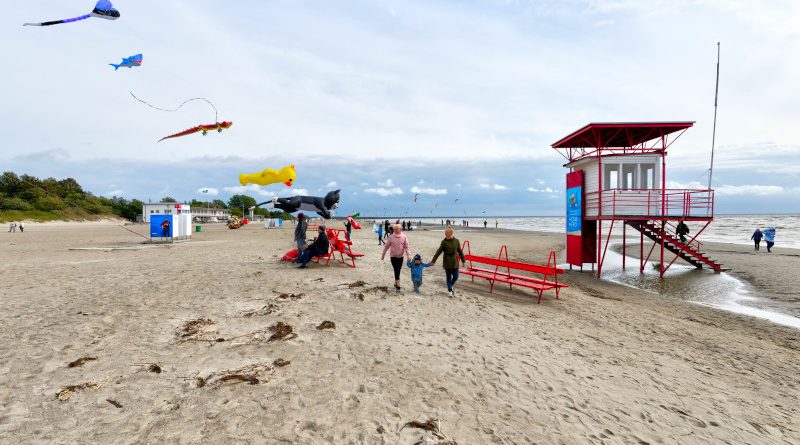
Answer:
x=605 y=364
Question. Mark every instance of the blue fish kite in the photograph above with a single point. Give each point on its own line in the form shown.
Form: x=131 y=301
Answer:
x=103 y=9
x=129 y=62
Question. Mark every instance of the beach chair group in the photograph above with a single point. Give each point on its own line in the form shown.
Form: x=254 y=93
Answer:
x=503 y=267
x=341 y=246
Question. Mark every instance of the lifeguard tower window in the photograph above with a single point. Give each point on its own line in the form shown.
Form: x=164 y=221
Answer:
x=648 y=176
x=611 y=179
x=628 y=176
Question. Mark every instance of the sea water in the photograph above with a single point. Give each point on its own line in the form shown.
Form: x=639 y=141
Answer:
x=735 y=229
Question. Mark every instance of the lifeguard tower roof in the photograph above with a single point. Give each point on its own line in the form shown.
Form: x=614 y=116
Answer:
x=619 y=138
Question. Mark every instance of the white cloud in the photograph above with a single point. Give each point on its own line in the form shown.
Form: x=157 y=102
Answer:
x=364 y=184
x=331 y=184
x=494 y=186
x=385 y=191
x=749 y=190
x=113 y=193
x=208 y=191
x=421 y=181
x=249 y=189
x=428 y=191
x=387 y=183
x=544 y=190
x=540 y=181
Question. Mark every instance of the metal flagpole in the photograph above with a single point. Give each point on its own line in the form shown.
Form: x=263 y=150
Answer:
x=714 y=132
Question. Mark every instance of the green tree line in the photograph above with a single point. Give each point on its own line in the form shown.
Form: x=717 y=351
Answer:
x=28 y=197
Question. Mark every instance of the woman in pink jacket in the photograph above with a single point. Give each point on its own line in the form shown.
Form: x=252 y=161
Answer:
x=397 y=245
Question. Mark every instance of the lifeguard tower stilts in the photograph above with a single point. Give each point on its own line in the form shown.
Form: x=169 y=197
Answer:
x=618 y=174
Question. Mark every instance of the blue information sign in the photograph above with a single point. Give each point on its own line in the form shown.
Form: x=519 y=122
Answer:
x=156 y=231
x=574 y=209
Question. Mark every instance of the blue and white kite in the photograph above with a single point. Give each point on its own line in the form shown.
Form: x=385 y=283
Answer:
x=102 y=10
x=129 y=62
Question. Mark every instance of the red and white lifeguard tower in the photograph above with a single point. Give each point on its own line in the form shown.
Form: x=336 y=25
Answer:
x=618 y=174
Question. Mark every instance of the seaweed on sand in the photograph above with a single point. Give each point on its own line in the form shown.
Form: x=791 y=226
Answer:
x=285 y=296
x=251 y=374
x=114 y=402
x=431 y=425
x=154 y=368
x=80 y=361
x=266 y=310
x=281 y=331
x=326 y=325
x=356 y=284
x=193 y=327
x=68 y=391
x=279 y=362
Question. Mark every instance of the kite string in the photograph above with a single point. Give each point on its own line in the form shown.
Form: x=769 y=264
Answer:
x=216 y=114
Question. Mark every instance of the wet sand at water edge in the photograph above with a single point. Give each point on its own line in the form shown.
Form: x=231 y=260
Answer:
x=216 y=341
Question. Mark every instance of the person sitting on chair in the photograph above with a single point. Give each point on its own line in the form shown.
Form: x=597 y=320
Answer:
x=319 y=247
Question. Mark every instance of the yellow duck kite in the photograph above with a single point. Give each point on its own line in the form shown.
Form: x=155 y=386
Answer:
x=269 y=176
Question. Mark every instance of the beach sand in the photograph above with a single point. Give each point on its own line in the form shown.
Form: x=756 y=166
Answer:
x=604 y=364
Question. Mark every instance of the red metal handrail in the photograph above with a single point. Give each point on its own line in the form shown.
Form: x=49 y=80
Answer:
x=685 y=203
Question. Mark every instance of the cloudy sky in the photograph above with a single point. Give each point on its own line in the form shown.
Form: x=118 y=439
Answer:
x=387 y=99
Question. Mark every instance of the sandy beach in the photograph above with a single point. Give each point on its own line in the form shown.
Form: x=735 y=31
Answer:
x=191 y=343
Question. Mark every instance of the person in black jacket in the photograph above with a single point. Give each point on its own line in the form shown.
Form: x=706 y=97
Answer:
x=682 y=230
x=317 y=248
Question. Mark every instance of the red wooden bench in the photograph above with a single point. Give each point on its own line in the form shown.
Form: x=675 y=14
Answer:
x=512 y=279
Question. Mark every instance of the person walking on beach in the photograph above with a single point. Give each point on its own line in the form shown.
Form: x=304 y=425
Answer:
x=21 y=227
x=416 y=266
x=12 y=227
x=451 y=248
x=300 y=234
x=484 y=223
x=387 y=229
x=769 y=237
x=397 y=245
x=757 y=235
x=682 y=230
x=319 y=247
x=348 y=228
x=380 y=235
x=165 y=229
x=496 y=222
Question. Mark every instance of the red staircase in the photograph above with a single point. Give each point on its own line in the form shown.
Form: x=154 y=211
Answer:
x=689 y=251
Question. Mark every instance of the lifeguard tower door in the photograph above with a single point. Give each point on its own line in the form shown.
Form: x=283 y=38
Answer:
x=581 y=233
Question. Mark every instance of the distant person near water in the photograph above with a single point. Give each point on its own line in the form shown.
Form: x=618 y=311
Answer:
x=451 y=248
x=380 y=234
x=387 y=229
x=397 y=245
x=300 y=234
x=769 y=237
x=417 y=266
x=484 y=223
x=319 y=247
x=682 y=230
x=756 y=237
x=496 y=222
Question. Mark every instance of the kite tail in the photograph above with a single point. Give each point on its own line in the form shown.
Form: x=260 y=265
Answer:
x=58 y=22
x=116 y=67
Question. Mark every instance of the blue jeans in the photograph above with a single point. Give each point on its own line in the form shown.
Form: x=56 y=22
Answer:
x=307 y=254
x=452 y=277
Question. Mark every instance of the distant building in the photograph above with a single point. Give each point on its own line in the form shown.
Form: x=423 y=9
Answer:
x=164 y=208
x=209 y=215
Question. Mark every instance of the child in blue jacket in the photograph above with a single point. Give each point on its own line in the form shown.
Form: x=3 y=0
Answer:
x=416 y=265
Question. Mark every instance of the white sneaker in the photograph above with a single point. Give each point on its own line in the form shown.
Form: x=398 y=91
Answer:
x=450 y=294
